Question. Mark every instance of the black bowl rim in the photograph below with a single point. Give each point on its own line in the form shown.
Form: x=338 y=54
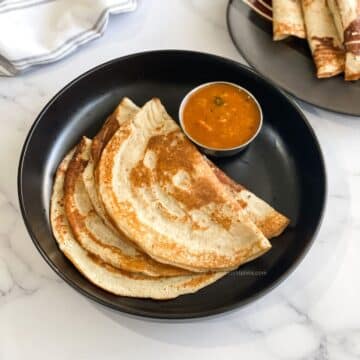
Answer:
x=273 y=82
x=152 y=314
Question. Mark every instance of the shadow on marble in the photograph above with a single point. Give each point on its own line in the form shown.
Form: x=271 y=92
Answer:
x=306 y=107
x=349 y=121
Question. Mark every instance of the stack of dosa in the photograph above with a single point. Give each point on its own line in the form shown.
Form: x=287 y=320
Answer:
x=332 y=28
x=104 y=275
x=140 y=212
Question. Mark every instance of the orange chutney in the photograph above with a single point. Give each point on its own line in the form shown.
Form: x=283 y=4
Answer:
x=221 y=116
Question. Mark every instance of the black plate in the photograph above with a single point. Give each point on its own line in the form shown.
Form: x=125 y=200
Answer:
x=288 y=63
x=284 y=166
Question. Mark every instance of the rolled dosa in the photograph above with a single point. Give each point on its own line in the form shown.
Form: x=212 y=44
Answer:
x=346 y=14
x=323 y=39
x=287 y=19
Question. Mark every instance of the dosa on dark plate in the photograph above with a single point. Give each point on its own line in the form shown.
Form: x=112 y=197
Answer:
x=102 y=274
x=323 y=39
x=346 y=14
x=163 y=195
x=287 y=19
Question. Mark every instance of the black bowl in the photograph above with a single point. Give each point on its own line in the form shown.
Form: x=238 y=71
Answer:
x=284 y=166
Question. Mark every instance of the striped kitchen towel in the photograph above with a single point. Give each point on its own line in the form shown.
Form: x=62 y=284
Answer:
x=37 y=32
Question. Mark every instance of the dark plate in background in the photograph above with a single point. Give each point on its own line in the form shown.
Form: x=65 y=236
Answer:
x=288 y=63
x=284 y=166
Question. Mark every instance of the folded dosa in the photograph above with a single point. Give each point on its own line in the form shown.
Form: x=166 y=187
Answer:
x=163 y=195
x=287 y=19
x=346 y=14
x=124 y=111
x=105 y=276
x=93 y=234
x=267 y=219
x=323 y=39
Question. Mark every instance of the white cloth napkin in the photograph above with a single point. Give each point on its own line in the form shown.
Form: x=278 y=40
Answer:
x=36 y=32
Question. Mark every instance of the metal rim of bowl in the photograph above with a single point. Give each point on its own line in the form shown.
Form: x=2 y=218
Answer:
x=185 y=100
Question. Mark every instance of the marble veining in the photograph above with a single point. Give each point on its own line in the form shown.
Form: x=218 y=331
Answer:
x=313 y=315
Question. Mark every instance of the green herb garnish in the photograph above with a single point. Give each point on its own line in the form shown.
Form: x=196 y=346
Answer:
x=218 y=101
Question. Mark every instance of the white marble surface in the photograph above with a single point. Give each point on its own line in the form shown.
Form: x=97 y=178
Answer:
x=314 y=314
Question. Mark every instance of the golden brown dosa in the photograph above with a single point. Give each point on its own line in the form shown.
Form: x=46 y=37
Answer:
x=105 y=276
x=287 y=19
x=324 y=42
x=162 y=194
